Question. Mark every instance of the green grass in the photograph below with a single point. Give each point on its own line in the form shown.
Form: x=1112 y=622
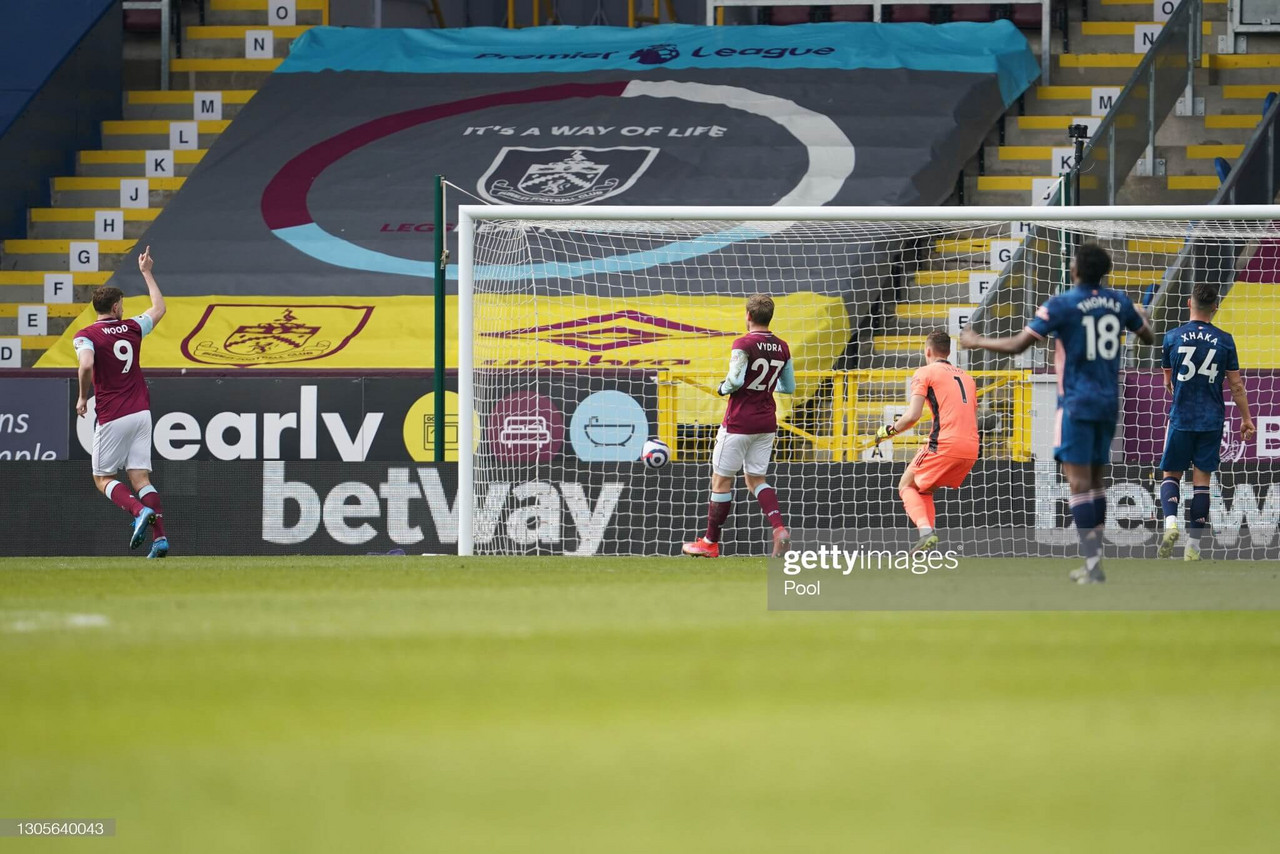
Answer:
x=641 y=705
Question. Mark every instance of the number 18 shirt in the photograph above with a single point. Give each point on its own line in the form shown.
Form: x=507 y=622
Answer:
x=1089 y=322
x=118 y=386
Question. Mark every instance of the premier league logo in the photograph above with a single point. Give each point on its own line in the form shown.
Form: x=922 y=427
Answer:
x=656 y=54
x=563 y=176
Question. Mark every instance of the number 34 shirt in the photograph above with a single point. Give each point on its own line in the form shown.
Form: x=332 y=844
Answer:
x=1089 y=322
x=1200 y=355
x=118 y=386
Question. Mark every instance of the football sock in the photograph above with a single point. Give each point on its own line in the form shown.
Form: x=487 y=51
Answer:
x=120 y=496
x=1170 y=496
x=1099 y=509
x=1084 y=512
x=769 y=504
x=150 y=498
x=919 y=507
x=717 y=513
x=1198 y=514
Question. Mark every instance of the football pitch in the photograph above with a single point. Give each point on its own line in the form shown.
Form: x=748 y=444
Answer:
x=616 y=705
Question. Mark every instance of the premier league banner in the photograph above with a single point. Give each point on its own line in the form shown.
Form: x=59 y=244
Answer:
x=303 y=238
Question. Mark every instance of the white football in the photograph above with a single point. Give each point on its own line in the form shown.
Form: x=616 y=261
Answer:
x=656 y=454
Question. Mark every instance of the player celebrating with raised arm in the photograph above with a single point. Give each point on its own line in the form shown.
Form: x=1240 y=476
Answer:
x=110 y=352
x=952 y=450
x=1089 y=322
x=759 y=364
x=1197 y=357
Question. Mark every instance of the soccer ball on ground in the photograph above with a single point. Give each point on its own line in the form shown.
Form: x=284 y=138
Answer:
x=656 y=454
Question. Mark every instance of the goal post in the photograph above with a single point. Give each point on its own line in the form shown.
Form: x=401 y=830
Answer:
x=584 y=330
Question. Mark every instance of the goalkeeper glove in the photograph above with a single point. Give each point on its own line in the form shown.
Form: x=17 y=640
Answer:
x=885 y=432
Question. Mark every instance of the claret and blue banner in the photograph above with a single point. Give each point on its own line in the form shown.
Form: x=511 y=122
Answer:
x=303 y=238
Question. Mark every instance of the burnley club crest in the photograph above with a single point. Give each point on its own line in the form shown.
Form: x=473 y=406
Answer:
x=564 y=175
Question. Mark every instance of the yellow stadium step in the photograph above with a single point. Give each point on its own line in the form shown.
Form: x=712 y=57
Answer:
x=62 y=247
x=132 y=162
x=238 y=32
x=1009 y=183
x=139 y=127
x=31 y=278
x=898 y=342
x=225 y=65
x=1134 y=278
x=1099 y=60
x=1045 y=152
x=1193 y=182
x=962 y=246
x=948 y=277
x=261 y=5
x=1046 y=122
x=1208 y=152
x=1126 y=28
x=112 y=183
x=103 y=192
x=154 y=134
x=1251 y=91
x=78 y=223
x=928 y=311
x=1243 y=60
x=1064 y=93
x=55 y=309
x=183 y=96
x=1025 y=152
x=1230 y=122
x=139 y=156
x=87 y=214
x=1156 y=247
x=38 y=342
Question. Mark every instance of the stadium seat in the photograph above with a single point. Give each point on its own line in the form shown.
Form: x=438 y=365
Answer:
x=913 y=13
x=781 y=15
x=977 y=13
x=142 y=20
x=1026 y=17
x=1222 y=167
x=851 y=14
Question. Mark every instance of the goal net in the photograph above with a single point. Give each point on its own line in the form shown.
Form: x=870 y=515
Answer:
x=585 y=332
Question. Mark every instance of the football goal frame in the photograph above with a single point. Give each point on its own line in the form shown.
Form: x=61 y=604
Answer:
x=472 y=217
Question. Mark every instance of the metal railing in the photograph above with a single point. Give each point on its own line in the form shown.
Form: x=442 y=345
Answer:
x=1125 y=139
x=836 y=413
x=1126 y=136
x=1255 y=177
x=715 y=16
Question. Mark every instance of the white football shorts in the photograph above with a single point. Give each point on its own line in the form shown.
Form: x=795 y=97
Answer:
x=735 y=452
x=122 y=444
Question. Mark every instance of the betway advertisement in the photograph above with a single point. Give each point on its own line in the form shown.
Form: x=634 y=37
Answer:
x=218 y=507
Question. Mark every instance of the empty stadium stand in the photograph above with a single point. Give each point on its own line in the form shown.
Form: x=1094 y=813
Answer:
x=163 y=134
